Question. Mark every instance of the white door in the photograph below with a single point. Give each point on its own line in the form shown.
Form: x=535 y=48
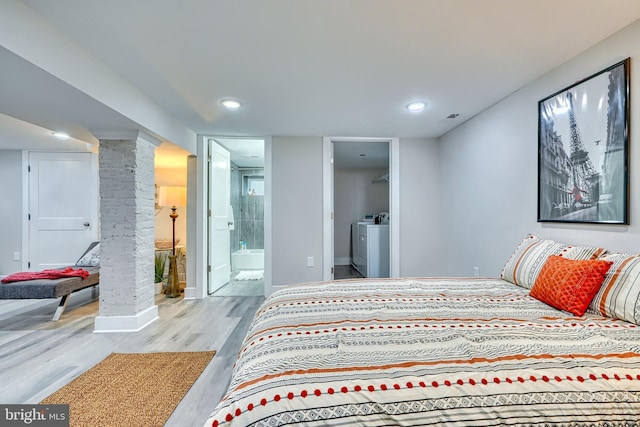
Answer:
x=63 y=206
x=219 y=220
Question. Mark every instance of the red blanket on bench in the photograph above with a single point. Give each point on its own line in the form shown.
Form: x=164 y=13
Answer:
x=46 y=274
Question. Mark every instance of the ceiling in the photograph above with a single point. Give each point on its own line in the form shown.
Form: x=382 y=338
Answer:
x=245 y=152
x=303 y=67
x=360 y=154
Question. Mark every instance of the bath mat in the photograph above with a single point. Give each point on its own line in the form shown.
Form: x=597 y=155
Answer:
x=250 y=275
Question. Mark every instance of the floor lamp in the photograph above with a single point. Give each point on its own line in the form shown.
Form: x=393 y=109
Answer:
x=173 y=196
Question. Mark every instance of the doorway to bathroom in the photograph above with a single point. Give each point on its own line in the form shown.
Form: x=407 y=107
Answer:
x=247 y=214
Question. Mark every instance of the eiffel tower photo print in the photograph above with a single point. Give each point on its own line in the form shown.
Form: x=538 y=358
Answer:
x=583 y=164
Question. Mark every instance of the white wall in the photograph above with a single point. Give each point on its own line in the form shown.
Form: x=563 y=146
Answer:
x=420 y=240
x=355 y=196
x=11 y=213
x=489 y=171
x=296 y=209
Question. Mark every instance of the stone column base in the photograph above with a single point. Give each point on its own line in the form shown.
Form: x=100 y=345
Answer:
x=134 y=323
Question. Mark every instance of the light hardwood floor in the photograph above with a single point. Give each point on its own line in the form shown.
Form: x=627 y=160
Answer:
x=237 y=288
x=38 y=356
x=346 y=272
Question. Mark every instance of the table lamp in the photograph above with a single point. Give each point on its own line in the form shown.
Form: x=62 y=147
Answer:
x=172 y=196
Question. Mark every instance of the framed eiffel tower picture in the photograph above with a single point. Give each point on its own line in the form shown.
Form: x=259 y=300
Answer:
x=583 y=161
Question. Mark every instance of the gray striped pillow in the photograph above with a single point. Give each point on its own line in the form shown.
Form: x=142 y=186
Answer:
x=619 y=295
x=524 y=265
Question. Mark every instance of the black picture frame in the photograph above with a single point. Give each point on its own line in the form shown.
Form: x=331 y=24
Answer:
x=583 y=150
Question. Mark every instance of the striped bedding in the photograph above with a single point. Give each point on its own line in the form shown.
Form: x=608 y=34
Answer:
x=430 y=352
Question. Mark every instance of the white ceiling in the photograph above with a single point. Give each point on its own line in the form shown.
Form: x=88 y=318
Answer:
x=245 y=152
x=360 y=154
x=307 y=67
x=26 y=136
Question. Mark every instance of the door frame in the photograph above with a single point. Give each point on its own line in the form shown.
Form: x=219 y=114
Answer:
x=200 y=243
x=327 y=202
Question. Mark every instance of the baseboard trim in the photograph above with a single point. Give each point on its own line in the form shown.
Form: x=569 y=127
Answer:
x=108 y=324
x=191 y=293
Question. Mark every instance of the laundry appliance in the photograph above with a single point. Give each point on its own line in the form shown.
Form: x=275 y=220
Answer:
x=370 y=244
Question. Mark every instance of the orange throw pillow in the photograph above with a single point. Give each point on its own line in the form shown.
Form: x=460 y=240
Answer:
x=569 y=284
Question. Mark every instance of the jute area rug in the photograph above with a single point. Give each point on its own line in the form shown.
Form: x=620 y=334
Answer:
x=141 y=389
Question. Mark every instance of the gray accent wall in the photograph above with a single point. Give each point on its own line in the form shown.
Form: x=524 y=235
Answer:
x=297 y=209
x=296 y=177
x=420 y=208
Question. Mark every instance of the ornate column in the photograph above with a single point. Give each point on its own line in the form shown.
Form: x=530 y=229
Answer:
x=126 y=170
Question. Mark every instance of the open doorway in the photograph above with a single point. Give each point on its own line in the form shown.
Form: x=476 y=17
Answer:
x=387 y=192
x=246 y=217
x=361 y=209
x=170 y=179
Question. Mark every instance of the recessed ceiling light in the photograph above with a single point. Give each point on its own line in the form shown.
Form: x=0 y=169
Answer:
x=452 y=115
x=416 y=107
x=231 y=104
x=60 y=135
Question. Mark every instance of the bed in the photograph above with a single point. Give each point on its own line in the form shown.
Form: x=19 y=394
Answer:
x=434 y=351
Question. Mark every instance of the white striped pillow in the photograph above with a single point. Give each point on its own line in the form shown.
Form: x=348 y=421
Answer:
x=532 y=253
x=619 y=295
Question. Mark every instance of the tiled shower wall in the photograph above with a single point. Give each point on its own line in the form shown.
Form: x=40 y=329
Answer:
x=248 y=211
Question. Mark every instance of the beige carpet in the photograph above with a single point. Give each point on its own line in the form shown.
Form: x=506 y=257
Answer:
x=141 y=389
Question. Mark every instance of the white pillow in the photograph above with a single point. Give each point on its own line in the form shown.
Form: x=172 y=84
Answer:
x=619 y=295
x=524 y=265
x=91 y=258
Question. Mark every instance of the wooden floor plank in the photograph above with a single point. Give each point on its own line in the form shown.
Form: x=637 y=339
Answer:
x=38 y=356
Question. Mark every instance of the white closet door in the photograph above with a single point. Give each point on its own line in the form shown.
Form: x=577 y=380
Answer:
x=63 y=208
